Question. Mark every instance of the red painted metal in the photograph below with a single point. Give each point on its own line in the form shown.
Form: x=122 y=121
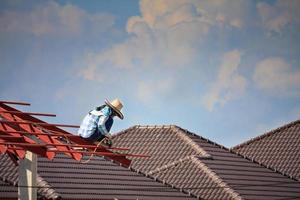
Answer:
x=40 y=124
x=18 y=129
x=19 y=139
x=50 y=134
x=76 y=151
x=12 y=138
x=3 y=148
x=29 y=113
x=77 y=140
x=28 y=127
x=16 y=103
x=42 y=152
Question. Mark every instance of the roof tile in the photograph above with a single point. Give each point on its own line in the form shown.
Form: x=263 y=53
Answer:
x=278 y=149
x=202 y=167
x=97 y=179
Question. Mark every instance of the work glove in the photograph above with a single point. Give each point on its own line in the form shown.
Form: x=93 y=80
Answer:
x=107 y=142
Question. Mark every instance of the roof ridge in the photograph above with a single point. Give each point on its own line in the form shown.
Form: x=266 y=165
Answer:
x=216 y=178
x=123 y=131
x=190 y=142
x=150 y=176
x=166 y=166
x=266 y=134
x=169 y=126
x=243 y=156
x=202 y=138
x=201 y=151
x=155 y=126
x=46 y=189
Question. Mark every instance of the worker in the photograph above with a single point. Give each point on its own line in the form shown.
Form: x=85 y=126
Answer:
x=97 y=123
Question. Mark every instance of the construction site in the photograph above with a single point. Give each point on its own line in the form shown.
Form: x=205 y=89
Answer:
x=149 y=100
x=42 y=161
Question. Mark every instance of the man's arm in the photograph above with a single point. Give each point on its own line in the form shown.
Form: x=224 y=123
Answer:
x=102 y=120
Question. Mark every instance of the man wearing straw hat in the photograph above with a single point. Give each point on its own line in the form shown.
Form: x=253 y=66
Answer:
x=98 y=122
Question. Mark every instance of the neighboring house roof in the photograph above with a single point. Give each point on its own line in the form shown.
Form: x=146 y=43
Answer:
x=278 y=149
x=7 y=191
x=66 y=178
x=202 y=167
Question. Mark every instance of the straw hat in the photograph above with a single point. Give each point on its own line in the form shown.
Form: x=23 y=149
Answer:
x=116 y=105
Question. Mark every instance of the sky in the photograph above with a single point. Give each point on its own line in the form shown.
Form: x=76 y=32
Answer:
x=228 y=70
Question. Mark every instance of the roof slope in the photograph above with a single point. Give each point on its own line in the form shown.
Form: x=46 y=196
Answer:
x=97 y=179
x=205 y=169
x=278 y=149
x=7 y=191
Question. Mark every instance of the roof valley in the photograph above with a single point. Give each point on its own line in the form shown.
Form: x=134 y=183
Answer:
x=216 y=178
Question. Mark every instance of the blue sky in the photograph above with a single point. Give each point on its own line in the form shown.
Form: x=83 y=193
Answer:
x=227 y=70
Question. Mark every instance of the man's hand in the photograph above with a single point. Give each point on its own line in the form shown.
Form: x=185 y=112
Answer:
x=107 y=141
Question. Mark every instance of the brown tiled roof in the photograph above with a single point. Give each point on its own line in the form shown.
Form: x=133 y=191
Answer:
x=97 y=179
x=278 y=149
x=202 y=167
x=7 y=191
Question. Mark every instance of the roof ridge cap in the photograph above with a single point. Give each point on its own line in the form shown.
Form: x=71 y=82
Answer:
x=202 y=138
x=217 y=179
x=266 y=134
x=46 y=189
x=174 y=163
x=190 y=142
x=155 y=126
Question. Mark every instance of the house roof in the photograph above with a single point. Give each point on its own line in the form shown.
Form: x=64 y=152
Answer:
x=66 y=178
x=202 y=167
x=278 y=149
x=7 y=191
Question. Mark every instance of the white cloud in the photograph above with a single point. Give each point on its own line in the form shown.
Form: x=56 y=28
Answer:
x=149 y=91
x=168 y=33
x=53 y=19
x=276 y=76
x=276 y=17
x=229 y=84
x=226 y=12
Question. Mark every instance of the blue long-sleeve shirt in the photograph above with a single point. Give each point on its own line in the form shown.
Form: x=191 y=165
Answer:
x=96 y=124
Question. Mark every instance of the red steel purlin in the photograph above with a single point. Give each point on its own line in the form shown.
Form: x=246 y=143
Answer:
x=21 y=132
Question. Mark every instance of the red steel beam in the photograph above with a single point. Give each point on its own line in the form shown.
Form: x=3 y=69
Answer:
x=16 y=103
x=11 y=138
x=21 y=154
x=29 y=127
x=40 y=124
x=22 y=144
x=34 y=133
x=29 y=113
x=125 y=162
x=88 y=152
x=55 y=145
x=63 y=135
x=3 y=148
x=77 y=140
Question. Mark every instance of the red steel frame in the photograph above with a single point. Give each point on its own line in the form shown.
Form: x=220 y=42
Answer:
x=21 y=132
